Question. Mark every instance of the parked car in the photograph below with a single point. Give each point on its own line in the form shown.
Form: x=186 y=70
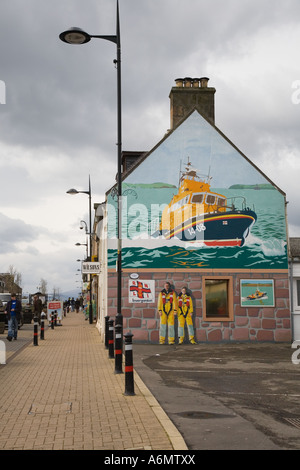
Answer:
x=5 y=297
x=2 y=318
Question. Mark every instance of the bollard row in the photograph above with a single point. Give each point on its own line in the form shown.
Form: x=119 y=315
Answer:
x=115 y=352
x=53 y=322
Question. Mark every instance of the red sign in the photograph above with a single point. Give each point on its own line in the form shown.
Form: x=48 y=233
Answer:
x=54 y=305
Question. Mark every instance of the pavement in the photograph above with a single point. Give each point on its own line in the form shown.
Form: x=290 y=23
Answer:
x=64 y=394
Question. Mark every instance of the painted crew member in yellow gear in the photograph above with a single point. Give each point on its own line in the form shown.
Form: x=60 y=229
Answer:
x=185 y=314
x=167 y=309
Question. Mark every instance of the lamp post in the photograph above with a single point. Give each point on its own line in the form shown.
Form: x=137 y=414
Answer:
x=78 y=36
x=73 y=191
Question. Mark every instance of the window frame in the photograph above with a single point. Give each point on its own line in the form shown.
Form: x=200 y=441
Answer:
x=194 y=196
x=230 y=316
x=296 y=299
x=297 y=293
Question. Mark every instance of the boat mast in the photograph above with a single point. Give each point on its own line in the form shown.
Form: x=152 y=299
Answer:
x=179 y=174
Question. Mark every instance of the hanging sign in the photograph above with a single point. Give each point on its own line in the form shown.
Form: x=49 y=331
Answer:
x=90 y=267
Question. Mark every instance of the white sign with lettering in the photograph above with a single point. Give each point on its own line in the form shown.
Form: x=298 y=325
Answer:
x=90 y=267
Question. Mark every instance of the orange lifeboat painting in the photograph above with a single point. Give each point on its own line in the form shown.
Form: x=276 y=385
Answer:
x=257 y=295
x=196 y=213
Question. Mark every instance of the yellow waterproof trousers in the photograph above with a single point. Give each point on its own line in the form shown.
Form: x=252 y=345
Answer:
x=181 y=322
x=167 y=320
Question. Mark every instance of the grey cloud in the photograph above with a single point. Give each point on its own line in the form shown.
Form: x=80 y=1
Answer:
x=14 y=231
x=61 y=99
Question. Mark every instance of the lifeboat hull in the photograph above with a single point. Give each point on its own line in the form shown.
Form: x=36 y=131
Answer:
x=215 y=229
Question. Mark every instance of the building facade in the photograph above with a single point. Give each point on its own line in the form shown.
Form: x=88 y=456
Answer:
x=295 y=285
x=197 y=213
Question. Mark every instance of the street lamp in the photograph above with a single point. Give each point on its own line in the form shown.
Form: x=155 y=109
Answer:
x=83 y=244
x=85 y=226
x=78 y=36
x=73 y=191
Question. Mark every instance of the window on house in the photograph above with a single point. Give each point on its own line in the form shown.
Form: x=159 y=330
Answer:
x=217 y=299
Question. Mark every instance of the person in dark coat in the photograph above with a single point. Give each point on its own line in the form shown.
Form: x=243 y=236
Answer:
x=77 y=305
x=13 y=311
x=37 y=307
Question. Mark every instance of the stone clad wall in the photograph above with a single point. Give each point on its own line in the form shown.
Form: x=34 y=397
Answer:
x=272 y=324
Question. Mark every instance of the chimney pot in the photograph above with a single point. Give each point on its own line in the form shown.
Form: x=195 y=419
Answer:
x=189 y=94
x=188 y=82
x=179 y=82
x=203 y=82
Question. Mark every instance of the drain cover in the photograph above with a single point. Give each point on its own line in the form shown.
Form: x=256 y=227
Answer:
x=203 y=415
x=294 y=421
x=37 y=408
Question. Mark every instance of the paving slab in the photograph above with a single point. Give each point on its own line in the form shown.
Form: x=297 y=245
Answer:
x=63 y=394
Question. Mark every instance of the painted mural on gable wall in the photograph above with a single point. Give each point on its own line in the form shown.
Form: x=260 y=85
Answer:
x=196 y=202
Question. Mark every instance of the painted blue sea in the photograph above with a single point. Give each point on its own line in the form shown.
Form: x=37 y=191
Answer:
x=265 y=246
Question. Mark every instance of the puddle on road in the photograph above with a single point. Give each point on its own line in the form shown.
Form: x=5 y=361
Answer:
x=203 y=415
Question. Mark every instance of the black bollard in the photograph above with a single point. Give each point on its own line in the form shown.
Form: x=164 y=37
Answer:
x=52 y=321
x=106 y=332
x=129 y=383
x=35 y=331
x=42 y=336
x=111 y=339
x=118 y=349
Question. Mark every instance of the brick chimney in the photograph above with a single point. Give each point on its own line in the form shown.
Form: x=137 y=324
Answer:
x=189 y=94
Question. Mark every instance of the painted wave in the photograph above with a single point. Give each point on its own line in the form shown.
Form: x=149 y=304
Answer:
x=256 y=254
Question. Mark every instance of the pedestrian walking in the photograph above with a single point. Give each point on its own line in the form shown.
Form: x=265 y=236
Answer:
x=37 y=307
x=77 y=305
x=13 y=312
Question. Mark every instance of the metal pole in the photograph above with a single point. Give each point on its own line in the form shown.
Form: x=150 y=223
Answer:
x=90 y=224
x=106 y=332
x=35 y=331
x=129 y=382
x=119 y=317
x=42 y=335
x=118 y=349
x=111 y=339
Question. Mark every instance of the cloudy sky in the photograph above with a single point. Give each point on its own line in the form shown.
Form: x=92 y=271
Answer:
x=58 y=107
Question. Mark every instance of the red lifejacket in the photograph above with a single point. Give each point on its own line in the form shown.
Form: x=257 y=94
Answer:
x=181 y=303
x=164 y=300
